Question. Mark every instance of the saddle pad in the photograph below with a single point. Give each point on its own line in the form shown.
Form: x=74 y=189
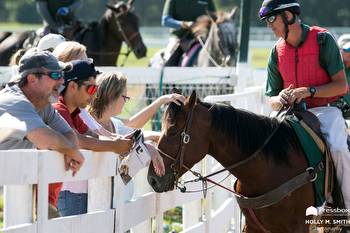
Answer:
x=313 y=156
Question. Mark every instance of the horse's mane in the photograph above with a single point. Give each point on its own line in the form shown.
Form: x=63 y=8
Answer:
x=203 y=23
x=250 y=131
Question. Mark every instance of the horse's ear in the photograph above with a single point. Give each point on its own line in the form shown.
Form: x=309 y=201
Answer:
x=130 y=2
x=111 y=7
x=192 y=99
x=176 y=91
x=233 y=13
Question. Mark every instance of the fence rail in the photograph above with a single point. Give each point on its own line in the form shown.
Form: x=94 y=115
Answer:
x=22 y=171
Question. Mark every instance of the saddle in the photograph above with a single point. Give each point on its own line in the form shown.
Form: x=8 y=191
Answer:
x=307 y=127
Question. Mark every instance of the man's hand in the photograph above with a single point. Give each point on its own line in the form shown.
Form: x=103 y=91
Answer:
x=122 y=145
x=300 y=93
x=74 y=161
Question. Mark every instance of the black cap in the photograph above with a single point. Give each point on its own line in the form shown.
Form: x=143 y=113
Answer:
x=82 y=70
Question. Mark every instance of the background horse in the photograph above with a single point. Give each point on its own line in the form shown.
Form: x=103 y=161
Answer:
x=103 y=39
x=214 y=44
x=232 y=135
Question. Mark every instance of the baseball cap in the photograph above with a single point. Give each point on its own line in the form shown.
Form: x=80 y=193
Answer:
x=35 y=60
x=50 y=42
x=346 y=47
x=82 y=70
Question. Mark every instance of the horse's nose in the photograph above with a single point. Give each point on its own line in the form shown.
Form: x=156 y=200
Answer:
x=155 y=184
x=140 y=50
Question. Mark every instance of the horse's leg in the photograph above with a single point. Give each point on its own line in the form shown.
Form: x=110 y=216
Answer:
x=10 y=45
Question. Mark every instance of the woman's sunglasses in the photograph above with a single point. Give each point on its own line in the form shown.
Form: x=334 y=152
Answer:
x=55 y=75
x=126 y=98
x=271 y=18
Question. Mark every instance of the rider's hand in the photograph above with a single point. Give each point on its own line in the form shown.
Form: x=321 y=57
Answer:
x=63 y=11
x=300 y=93
x=186 y=24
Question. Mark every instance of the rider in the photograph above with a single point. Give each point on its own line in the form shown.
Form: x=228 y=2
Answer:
x=305 y=63
x=57 y=14
x=344 y=46
x=179 y=15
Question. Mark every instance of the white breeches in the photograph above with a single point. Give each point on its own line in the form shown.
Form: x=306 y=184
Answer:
x=334 y=129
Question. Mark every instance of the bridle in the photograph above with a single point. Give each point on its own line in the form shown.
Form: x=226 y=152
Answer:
x=178 y=164
x=125 y=38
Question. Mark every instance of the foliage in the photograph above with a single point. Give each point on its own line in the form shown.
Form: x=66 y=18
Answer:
x=173 y=220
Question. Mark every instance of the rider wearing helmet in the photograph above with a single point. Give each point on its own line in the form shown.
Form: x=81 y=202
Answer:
x=56 y=14
x=305 y=64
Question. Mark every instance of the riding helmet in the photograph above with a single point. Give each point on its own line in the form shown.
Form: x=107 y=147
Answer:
x=273 y=7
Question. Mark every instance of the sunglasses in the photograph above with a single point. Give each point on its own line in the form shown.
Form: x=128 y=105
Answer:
x=55 y=75
x=126 y=98
x=90 y=88
x=346 y=49
x=271 y=18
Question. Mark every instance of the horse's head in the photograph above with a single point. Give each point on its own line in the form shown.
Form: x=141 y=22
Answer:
x=220 y=36
x=125 y=25
x=183 y=127
x=228 y=37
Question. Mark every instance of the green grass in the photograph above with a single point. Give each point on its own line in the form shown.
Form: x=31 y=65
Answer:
x=14 y=26
x=1 y=211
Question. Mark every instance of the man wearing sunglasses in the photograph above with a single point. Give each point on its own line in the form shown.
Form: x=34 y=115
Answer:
x=26 y=97
x=80 y=86
x=305 y=64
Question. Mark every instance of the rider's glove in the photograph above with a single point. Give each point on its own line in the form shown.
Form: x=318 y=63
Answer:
x=63 y=11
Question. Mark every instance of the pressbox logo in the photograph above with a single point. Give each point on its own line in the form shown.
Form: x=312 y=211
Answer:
x=311 y=211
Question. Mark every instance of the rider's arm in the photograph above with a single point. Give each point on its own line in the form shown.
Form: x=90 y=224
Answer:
x=42 y=8
x=168 y=19
x=274 y=83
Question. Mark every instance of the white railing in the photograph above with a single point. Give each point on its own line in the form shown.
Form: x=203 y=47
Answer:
x=21 y=169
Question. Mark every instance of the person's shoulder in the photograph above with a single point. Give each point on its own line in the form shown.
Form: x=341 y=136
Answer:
x=12 y=95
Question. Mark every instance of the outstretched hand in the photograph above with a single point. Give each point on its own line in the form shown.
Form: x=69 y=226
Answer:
x=175 y=98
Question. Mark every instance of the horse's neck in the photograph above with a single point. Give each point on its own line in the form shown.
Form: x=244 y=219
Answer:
x=109 y=44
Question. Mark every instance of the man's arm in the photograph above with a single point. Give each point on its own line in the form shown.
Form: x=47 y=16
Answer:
x=46 y=138
x=42 y=8
x=117 y=145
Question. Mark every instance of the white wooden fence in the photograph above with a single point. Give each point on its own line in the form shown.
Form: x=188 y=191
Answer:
x=108 y=211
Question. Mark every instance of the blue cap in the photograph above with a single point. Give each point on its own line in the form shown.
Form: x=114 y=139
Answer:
x=81 y=71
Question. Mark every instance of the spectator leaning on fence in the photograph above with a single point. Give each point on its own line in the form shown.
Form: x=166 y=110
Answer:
x=109 y=101
x=79 y=88
x=305 y=64
x=26 y=97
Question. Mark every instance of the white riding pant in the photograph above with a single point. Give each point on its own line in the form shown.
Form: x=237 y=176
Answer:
x=334 y=129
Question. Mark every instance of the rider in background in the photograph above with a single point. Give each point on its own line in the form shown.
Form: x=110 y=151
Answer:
x=305 y=63
x=179 y=15
x=56 y=14
x=345 y=52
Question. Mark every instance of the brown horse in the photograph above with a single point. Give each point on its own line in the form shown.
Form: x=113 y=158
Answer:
x=103 y=39
x=232 y=136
